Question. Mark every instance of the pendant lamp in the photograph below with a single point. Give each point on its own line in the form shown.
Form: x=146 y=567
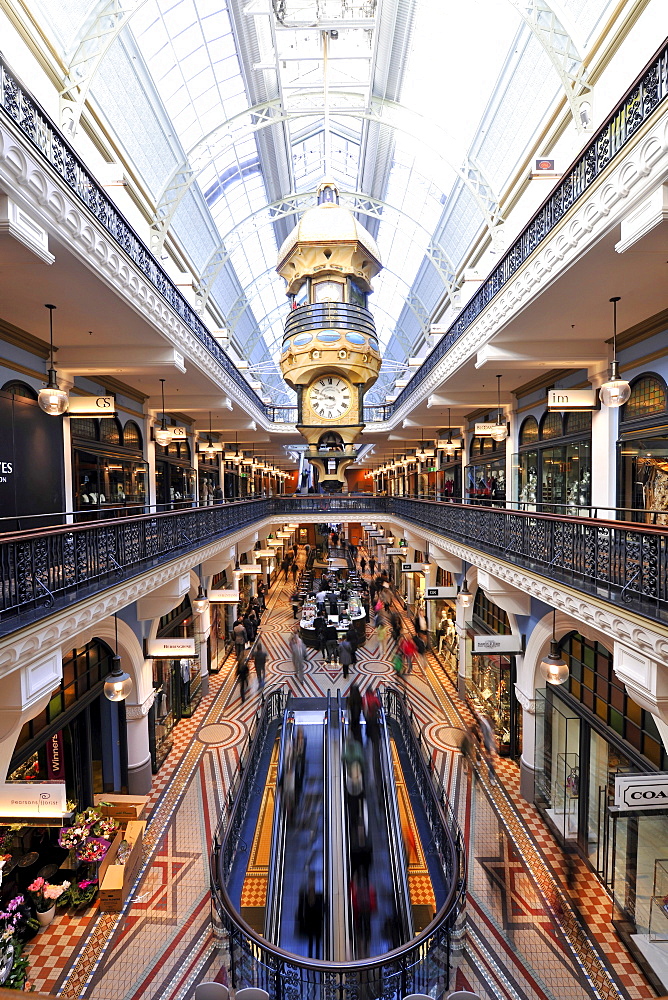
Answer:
x=117 y=684
x=200 y=603
x=553 y=669
x=616 y=391
x=500 y=430
x=52 y=399
x=163 y=435
x=210 y=450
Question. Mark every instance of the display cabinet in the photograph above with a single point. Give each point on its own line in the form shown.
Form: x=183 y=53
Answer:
x=658 y=907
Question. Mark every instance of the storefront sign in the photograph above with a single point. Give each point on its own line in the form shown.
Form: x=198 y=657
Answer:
x=641 y=791
x=32 y=798
x=223 y=597
x=412 y=567
x=497 y=644
x=55 y=760
x=92 y=406
x=571 y=399
x=250 y=569
x=484 y=430
x=170 y=649
x=439 y=593
x=396 y=552
x=179 y=433
x=384 y=541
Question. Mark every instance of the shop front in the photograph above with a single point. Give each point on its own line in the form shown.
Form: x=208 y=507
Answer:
x=174 y=475
x=208 y=474
x=449 y=479
x=109 y=473
x=590 y=736
x=441 y=617
x=485 y=475
x=176 y=679
x=80 y=737
x=554 y=463
x=491 y=673
x=32 y=477
x=643 y=452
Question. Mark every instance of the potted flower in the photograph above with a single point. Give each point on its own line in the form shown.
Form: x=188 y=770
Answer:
x=14 y=919
x=72 y=837
x=44 y=895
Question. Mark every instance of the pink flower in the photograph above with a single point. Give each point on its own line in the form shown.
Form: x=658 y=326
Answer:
x=36 y=885
x=54 y=891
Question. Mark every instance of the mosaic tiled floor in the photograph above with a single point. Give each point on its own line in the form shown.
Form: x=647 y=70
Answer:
x=523 y=936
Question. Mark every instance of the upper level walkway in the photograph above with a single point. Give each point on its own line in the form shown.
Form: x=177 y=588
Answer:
x=616 y=563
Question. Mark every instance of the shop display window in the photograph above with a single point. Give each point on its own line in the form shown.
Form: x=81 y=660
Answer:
x=555 y=478
x=485 y=476
x=106 y=475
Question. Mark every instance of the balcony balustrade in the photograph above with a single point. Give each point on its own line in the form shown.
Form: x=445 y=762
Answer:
x=616 y=561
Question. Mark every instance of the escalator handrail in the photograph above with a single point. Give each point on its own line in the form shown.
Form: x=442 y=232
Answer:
x=345 y=840
x=276 y=872
x=398 y=857
x=326 y=844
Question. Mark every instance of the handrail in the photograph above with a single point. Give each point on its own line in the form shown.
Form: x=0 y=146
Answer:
x=49 y=143
x=328 y=937
x=272 y=924
x=413 y=967
x=398 y=859
x=646 y=93
x=44 y=570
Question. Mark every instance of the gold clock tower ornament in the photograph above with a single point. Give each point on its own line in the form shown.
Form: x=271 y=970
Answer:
x=330 y=354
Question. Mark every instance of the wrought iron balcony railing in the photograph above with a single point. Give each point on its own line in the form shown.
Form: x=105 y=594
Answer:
x=617 y=561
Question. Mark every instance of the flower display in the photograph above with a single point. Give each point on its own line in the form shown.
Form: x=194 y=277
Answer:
x=72 y=836
x=44 y=894
x=105 y=827
x=94 y=849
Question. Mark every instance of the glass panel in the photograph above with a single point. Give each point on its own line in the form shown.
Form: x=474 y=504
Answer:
x=578 y=476
x=558 y=763
x=529 y=431
x=527 y=492
x=644 y=479
x=648 y=396
x=553 y=482
x=599 y=791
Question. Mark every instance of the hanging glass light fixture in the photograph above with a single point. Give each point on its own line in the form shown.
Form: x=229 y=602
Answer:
x=449 y=446
x=210 y=450
x=117 y=684
x=163 y=434
x=500 y=430
x=52 y=399
x=616 y=391
x=201 y=602
x=553 y=669
x=465 y=597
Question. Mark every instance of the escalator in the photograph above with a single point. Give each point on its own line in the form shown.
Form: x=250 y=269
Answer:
x=298 y=833
x=377 y=860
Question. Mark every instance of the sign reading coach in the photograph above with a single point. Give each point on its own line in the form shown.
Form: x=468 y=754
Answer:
x=641 y=791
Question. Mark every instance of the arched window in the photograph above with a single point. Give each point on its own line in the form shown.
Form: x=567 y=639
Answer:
x=551 y=426
x=132 y=436
x=648 y=396
x=477 y=446
x=84 y=427
x=110 y=430
x=492 y=615
x=578 y=423
x=529 y=431
x=19 y=389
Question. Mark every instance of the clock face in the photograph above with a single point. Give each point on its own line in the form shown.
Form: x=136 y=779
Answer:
x=330 y=396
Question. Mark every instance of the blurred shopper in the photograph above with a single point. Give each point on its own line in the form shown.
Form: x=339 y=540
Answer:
x=294 y=601
x=240 y=639
x=363 y=899
x=260 y=662
x=346 y=654
x=489 y=742
x=331 y=643
x=408 y=649
x=298 y=654
x=354 y=705
x=242 y=677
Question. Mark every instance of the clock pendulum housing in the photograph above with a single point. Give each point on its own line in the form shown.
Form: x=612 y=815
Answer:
x=330 y=353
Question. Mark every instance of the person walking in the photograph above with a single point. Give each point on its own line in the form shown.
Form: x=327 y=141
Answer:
x=345 y=655
x=311 y=915
x=372 y=565
x=381 y=633
x=295 y=570
x=242 y=677
x=285 y=566
x=294 y=601
x=354 y=706
x=489 y=742
x=331 y=642
x=362 y=564
x=319 y=626
x=240 y=639
x=298 y=653
x=408 y=649
x=260 y=661
x=262 y=595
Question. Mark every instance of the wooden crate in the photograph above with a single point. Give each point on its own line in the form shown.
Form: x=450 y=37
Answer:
x=121 y=807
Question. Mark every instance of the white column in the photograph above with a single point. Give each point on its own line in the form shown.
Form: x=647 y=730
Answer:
x=140 y=778
x=604 y=426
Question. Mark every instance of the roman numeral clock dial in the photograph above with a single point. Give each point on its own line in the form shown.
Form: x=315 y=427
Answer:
x=330 y=397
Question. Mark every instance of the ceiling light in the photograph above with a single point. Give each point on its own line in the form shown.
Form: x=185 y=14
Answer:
x=616 y=391
x=500 y=430
x=553 y=669
x=465 y=597
x=163 y=435
x=201 y=603
x=52 y=399
x=117 y=684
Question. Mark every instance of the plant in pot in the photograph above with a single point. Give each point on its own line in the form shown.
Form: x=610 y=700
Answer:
x=15 y=921
x=45 y=896
x=79 y=895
